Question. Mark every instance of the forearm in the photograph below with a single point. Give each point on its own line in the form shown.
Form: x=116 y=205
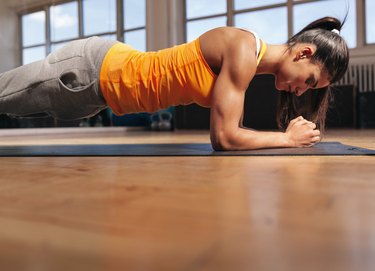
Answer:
x=246 y=139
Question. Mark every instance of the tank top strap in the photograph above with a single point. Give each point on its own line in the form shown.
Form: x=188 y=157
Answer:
x=258 y=41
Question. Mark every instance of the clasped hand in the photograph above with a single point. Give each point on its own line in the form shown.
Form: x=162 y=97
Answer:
x=302 y=133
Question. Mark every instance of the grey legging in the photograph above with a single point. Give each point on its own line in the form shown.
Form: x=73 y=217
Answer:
x=65 y=85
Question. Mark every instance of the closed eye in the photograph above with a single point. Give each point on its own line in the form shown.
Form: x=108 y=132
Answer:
x=312 y=82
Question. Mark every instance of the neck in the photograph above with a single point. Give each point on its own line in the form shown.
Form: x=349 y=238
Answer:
x=272 y=59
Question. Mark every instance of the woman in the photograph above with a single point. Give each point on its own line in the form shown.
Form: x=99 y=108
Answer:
x=215 y=70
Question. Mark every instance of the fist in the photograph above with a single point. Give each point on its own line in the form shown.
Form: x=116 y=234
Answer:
x=302 y=133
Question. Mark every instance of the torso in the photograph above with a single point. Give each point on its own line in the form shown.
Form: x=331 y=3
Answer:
x=133 y=81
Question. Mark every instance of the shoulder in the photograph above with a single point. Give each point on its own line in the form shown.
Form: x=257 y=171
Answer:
x=225 y=39
x=231 y=50
x=240 y=44
x=239 y=57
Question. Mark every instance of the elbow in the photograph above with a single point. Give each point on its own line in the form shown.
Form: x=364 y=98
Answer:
x=218 y=146
x=221 y=141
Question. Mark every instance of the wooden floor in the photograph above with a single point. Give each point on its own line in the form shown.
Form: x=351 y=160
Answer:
x=184 y=213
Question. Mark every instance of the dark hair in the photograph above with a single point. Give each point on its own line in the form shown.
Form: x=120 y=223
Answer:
x=333 y=54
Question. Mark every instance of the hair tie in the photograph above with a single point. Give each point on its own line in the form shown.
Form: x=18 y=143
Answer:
x=335 y=31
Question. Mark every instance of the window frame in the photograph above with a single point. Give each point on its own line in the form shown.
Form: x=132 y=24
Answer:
x=119 y=32
x=364 y=20
x=362 y=47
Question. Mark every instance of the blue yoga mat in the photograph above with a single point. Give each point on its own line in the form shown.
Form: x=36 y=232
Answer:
x=324 y=148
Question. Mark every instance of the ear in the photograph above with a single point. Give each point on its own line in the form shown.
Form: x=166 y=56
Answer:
x=304 y=52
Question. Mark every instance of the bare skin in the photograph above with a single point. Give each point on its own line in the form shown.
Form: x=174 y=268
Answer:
x=230 y=53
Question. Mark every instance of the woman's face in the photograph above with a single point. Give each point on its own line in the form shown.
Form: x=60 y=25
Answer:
x=297 y=73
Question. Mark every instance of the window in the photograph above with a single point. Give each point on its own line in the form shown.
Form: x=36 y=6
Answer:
x=133 y=17
x=34 y=31
x=79 y=19
x=203 y=15
x=203 y=8
x=270 y=24
x=33 y=36
x=99 y=16
x=64 y=21
x=137 y=38
x=33 y=54
x=134 y=23
x=196 y=28
x=244 y=4
x=370 y=21
x=305 y=13
x=269 y=18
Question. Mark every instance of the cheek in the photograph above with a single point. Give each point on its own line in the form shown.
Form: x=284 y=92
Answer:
x=283 y=76
x=286 y=73
x=294 y=77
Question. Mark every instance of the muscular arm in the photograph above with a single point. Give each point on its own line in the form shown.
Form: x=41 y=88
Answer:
x=237 y=70
x=225 y=131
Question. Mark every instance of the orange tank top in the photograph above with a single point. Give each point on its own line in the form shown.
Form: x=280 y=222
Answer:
x=133 y=81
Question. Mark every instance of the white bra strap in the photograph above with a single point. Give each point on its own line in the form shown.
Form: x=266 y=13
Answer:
x=257 y=39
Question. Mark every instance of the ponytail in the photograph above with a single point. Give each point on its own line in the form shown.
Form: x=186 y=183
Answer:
x=326 y=23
